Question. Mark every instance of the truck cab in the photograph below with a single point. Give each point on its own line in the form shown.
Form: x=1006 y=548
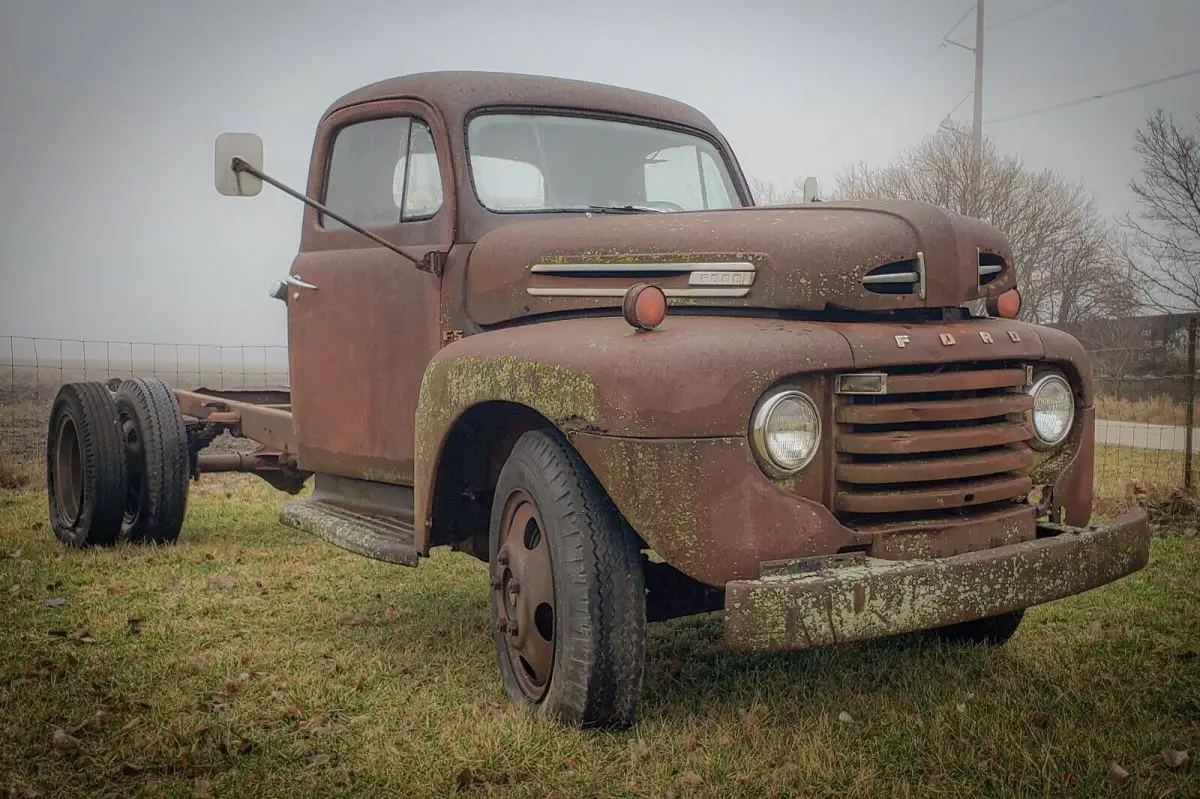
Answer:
x=541 y=321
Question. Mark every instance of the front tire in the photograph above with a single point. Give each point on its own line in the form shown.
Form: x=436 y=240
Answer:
x=568 y=595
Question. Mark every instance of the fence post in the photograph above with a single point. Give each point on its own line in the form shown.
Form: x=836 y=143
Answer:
x=1191 y=404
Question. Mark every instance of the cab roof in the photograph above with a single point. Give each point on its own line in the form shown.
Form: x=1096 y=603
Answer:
x=456 y=94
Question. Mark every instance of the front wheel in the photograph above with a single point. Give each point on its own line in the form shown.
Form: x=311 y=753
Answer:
x=568 y=595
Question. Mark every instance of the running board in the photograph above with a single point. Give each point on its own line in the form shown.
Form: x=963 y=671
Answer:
x=376 y=536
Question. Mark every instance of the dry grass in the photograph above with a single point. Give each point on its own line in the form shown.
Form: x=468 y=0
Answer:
x=1161 y=409
x=1127 y=476
x=250 y=660
x=17 y=474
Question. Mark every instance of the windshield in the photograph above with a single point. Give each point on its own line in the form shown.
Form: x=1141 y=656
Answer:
x=545 y=162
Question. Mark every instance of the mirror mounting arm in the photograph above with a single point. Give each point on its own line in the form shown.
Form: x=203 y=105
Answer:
x=432 y=262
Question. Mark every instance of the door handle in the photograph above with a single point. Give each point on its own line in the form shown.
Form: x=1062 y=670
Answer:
x=295 y=280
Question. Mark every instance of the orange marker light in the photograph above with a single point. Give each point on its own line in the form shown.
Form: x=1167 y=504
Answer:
x=1007 y=305
x=645 y=306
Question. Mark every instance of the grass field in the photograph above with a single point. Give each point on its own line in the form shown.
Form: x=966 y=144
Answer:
x=1161 y=409
x=250 y=660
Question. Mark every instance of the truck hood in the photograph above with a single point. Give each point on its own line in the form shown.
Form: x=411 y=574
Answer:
x=863 y=256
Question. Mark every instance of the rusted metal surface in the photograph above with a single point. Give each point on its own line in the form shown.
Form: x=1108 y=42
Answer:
x=904 y=442
x=1066 y=475
x=277 y=468
x=387 y=360
x=966 y=380
x=705 y=506
x=951 y=467
x=969 y=532
x=238 y=461
x=880 y=345
x=872 y=597
x=943 y=437
x=370 y=535
x=620 y=382
x=270 y=398
x=271 y=427
x=630 y=385
x=937 y=411
x=957 y=494
x=523 y=595
x=358 y=343
x=807 y=257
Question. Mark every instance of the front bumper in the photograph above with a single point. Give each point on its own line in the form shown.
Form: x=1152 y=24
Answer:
x=823 y=601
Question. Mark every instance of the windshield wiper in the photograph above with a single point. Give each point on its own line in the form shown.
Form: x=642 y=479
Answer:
x=626 y=209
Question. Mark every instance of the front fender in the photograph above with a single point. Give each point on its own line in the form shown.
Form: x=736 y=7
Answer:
x=694 y=377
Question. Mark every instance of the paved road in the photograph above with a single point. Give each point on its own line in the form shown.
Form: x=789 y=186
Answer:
x=1172 y=438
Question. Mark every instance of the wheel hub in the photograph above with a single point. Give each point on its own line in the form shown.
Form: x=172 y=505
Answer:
x=133 y=469
x=524 y=588
x=68 y=472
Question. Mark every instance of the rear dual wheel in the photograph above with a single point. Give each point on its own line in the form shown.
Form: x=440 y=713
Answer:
x=156 y=461
x=117 y=463
x=568 y=595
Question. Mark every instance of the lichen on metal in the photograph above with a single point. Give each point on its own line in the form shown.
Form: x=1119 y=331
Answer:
x=347 y=533
x=453 y=385
x=875 y=598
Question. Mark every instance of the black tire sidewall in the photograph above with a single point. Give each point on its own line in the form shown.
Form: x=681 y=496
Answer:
x=165 y=465
x=91 y=409
x=542 y=465
x=521 y=472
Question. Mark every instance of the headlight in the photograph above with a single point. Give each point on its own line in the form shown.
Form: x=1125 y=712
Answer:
x=1053 y=410
x=786 y=431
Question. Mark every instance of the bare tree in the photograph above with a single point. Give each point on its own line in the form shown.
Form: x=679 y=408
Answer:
x=767 y=193
x=1161 y=244
x=1067 y=264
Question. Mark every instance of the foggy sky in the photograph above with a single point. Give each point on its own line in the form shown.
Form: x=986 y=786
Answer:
x=111 y=228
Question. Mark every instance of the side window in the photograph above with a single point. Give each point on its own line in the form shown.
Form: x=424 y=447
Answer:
x=422 y=194
x=687 y=177
x=374 y=182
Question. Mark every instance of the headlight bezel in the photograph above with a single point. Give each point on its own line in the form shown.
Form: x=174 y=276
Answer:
x=1039 y=383
x=758 y=432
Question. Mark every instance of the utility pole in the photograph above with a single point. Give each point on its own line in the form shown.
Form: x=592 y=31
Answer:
x=976 y=166
x=977 y=129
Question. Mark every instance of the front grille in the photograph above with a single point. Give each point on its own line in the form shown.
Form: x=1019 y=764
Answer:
x=943 y=442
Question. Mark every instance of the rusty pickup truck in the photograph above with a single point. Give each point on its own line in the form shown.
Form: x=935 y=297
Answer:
x=542 y=322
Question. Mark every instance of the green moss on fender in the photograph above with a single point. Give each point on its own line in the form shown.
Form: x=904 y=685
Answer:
x=452 y=385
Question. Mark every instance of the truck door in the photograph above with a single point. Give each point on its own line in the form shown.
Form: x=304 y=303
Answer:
x=363 y=322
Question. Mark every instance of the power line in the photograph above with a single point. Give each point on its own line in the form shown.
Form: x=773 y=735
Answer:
x=1093 y=97
x=1006 y=22
x=954 y=110
x=895 y=84
x=961 y=20
x=1025 y=15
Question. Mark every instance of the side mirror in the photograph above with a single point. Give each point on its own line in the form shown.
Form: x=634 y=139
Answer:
x=809 y=194
x=249 y=148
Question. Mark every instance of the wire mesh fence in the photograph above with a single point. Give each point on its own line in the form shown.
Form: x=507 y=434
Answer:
x=33 y=369
x=1144 y=444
